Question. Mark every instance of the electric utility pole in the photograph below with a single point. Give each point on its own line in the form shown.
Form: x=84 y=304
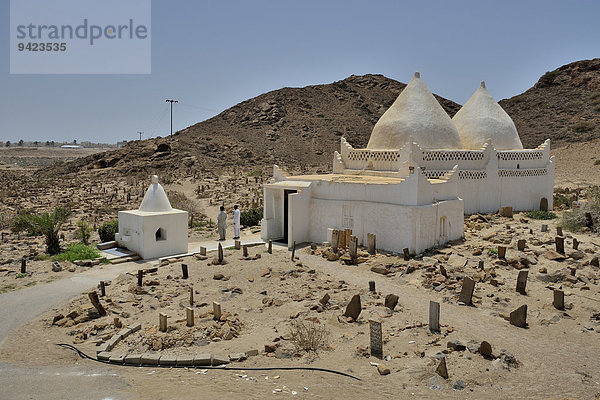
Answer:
x=140 y=134
x=171 y=101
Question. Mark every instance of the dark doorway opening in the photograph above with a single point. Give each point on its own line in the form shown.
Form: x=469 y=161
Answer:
x=286 y=193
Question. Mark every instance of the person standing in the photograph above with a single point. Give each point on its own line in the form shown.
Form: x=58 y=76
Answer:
x=222 y=223
x=236 y=222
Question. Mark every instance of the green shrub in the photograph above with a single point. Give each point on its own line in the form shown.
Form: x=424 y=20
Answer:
x=492 y=251
x=108 y=230
x=251 y=217
x=548 y=78
x=84 y=231
x=538 y=214
x=78 y=251
x=575 y=220
x=47 y=224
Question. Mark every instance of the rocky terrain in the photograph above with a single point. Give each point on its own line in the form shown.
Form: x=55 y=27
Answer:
x=264 y=296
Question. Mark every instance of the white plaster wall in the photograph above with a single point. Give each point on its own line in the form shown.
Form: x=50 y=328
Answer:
x=272 y=223
x=142 y=227
x=299 y=215
x=396 y=226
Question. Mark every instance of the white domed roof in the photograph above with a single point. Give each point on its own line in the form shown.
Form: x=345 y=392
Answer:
x=482 y=118
x=417 y=114
x=156 y=199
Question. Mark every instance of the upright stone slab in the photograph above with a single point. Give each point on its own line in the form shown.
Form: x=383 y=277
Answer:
x=466 y=293
x=391 y=301
x=353 y=247
x=96 y=303
x=522 y=282
x=560 y=244
x=23 y=265
x=376 y=339
x=406 y=254
x=189 y=316
x=544 y=228
x=372 y=286
x=162 y=322
x=238 y=244
x=543 y=204
x=270 y=248
x=202 y=251
x=102 y=289
x=441 y=369
x=334 y=240
x=501 y=252
x=594 y=262
x=434 y=316
x=371 y=243
x=589 y=222
x=348 y=233
x=341 y=244
x=216 y=311
x=519 y=317
x=220 y=254
x=575 y=244
x=521 y=244
x=353 y=308
x=140 y=277
x=245 y=250
x=559 y=231
x=184 y=271
x=559 y=299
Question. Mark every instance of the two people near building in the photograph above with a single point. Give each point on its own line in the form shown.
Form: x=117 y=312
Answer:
x=222 y=223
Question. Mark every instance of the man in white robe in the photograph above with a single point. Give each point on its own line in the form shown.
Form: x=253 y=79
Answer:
x=236 y=222
x=222 y=223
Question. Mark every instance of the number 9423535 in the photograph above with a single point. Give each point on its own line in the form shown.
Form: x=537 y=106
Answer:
x=49 y=46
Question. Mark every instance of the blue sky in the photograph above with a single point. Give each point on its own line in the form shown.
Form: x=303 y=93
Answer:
x=210 y=55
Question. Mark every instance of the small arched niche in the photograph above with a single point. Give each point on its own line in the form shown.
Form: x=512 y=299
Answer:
x=161 y=234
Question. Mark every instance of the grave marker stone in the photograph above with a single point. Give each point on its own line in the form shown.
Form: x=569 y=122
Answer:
x=162 y=322
x=23 y=265
x=589 y=222
x=544 y=228
x=202 y=251
x=434 y=316
x=575 y=244
x=560 y=244
x=559 y=299
x=391 y=301
x=191 y=295
x=245 y=250
x=559 y=231
x=102 y=289
x=521 y=244
x=441 y=369
x=481 y=265
x=406 y=254
x=184 y=271
x=189 y=316
x=594 y=262
x=334 y=240
x=294 y=250
x=220 y=254
x=140 y=277
x=376 y=339
x=501 y=252
x=353 y=247
x=543 y=204
x=353 y=308
x=216 y=310
x=522 y=282
x=341 y=240
x=96 y=303
x=348 y=233
x=466 y=293
x=238 y=244
x=270 y=248
x=519 y=317
x=372 y=286
x=371 y=240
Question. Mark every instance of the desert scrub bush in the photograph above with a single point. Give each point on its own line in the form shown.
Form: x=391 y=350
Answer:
x=576 y=219
x=47 y=224
x=492 y=251
x=308 y=336
x=251 y=217
x=84 y=231
x=581 y=127
x=548 y=78
x=78 y=251
x=538 y=214
x=108 y=230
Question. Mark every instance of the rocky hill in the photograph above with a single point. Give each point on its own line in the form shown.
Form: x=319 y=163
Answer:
x=564 y=105
x=302 y=126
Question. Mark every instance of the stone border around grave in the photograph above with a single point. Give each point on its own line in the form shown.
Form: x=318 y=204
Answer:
x=182 y=360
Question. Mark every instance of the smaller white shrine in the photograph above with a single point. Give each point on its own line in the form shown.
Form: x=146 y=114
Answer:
x=155 y=229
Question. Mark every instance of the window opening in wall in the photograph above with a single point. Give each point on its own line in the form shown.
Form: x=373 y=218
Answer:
x=160 y=234
x=347 y=217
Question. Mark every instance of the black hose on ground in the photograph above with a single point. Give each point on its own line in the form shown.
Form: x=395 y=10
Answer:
x=226 y=368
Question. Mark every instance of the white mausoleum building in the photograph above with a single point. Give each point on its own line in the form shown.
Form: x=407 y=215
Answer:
x=155 y=229
x=420 y=173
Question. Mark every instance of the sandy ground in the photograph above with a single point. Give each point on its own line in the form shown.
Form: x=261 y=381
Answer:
x=577 y=165
x=558 y=354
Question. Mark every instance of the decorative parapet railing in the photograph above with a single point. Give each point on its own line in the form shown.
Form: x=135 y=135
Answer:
x=522 y=173
x=462 y=174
